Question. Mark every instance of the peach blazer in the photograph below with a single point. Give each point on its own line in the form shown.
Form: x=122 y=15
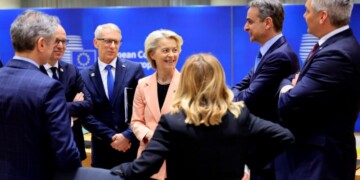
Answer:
x=146 y=112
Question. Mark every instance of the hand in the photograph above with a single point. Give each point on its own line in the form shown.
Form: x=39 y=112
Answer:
x=73 y=118
x=294 y=81
x=120 y=143
x=286 y=89
x=79 y=97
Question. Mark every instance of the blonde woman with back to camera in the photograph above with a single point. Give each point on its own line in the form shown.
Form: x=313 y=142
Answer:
x=207 y=135
x=154 y=94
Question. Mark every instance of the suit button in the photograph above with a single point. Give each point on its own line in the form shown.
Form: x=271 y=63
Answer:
x=117 y=127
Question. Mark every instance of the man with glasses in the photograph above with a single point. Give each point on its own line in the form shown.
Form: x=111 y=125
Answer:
x=112 y=139
x=78 y=98
x=36 y=139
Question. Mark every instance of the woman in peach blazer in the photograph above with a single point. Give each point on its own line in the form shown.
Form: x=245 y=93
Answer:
x=154 y=94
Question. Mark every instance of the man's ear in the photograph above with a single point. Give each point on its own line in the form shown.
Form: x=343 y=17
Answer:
x=40 y=44
x=324 y=16
x=96 y=43
x=268 y=23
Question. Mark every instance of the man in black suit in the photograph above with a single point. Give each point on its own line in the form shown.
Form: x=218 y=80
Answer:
x=275 y=61
x=35 y=134
x=1 y=64
x=78 y=98
x=321 y=106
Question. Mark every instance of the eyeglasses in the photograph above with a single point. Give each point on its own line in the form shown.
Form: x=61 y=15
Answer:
x=110 y=41
x=64 y=42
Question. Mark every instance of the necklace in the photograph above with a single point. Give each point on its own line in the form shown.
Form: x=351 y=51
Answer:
x=163 y=83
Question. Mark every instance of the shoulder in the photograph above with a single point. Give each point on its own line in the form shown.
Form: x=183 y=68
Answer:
x=173 y=119
x=148 y=79
x=129 y=63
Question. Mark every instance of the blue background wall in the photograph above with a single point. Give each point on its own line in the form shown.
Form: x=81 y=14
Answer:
x=216 y=30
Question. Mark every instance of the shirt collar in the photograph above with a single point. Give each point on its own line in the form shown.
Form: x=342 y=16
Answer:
x=102 y=65
x=27 y=60
x=48 y=66
x=269 y=43
x=332 y=33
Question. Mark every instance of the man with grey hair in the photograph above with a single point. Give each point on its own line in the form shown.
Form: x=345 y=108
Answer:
x=275 y=61
x=321 y=105
x=112 y=139
x=34 y=123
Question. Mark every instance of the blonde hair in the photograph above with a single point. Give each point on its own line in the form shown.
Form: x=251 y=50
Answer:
x=153 y=38
x=202 y=92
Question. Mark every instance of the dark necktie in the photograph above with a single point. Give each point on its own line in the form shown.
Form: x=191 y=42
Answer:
x=257 y=60
x=54 y=75
x=313 y=51
x=110 y=81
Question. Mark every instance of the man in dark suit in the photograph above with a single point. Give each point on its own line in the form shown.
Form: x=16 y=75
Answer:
x=34 y=123
x=112 y=139
x=78 y=98
x=1 y=64
x=322 y=105
x=275 y=61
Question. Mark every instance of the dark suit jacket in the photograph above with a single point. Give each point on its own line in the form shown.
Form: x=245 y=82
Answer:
x=1 y=64
x=259 y=89
x=215 y=152
x=34 y=124
x=108 y=118
x=70 y=78
x=322 y=108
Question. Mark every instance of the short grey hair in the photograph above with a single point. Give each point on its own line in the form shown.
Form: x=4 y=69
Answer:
x=270 y=8
x=339 y=11
x=99 y=29
x=29 y=26
x=153 y=38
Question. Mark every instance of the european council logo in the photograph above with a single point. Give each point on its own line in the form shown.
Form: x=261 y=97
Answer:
x=83 y=58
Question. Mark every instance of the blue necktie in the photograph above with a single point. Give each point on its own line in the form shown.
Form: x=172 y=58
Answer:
x=257 y=60
x=110 y=81
x=54 y=75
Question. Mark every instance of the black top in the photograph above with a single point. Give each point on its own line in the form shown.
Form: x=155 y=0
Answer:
x=162 y=90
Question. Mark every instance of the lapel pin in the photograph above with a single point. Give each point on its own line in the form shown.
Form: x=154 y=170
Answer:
x=61 y=69
x=92 y=74
x=123 y=66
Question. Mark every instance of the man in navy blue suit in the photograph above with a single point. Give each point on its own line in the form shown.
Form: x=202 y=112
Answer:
x=112 y=139
x=78 y=98
x=275 y=61
x=321 y=105
x=35 y=134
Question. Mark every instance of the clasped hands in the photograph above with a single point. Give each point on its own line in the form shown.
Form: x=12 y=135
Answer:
x=120 y=142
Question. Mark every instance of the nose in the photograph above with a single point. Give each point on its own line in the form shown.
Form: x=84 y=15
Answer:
x=112 y=44
x=246 y=27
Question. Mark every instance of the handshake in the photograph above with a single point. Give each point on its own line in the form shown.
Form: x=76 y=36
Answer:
x=120 y=143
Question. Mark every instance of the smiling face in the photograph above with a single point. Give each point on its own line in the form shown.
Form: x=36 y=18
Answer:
x=59 y=46
x=166 y=54
x=108 y=51
x=254 y=26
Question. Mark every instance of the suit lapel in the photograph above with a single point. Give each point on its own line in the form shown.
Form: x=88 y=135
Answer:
x=61 y=70
x=151 y=96
x=331 y=40
x=95 y=77
x=277 y=44
x=170 y=93
x=119 y=78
